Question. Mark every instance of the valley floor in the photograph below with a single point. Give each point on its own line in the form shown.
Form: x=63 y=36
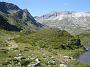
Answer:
x=48 y=57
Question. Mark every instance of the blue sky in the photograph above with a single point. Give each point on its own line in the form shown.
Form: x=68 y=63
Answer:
x=40 y=7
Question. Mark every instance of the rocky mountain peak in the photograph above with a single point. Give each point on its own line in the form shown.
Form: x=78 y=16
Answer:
x=5 y=7
x=73 y=22
x=20 y=18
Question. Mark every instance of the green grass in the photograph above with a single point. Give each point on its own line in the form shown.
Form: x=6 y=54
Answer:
x=85 y=39
x=77 y=64
x=45 y=38
x=43 y=44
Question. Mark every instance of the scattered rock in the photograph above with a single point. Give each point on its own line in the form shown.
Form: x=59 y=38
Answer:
x=87 y=49
x=32 y=58
x=66 y=57
x=31 y=65
x=63 y=65
x=20 y=54
x=37 y=60
x=52 y=62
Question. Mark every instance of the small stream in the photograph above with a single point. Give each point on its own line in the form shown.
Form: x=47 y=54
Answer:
x=85 y=57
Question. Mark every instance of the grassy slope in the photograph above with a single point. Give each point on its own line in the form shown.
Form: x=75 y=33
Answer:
x=30 y=44
x=85 y=39
x=45 y=38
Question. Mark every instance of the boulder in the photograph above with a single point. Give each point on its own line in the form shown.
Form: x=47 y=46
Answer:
x=63 y=65
x=31 y=65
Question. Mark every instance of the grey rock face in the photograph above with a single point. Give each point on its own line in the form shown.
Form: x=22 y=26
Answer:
x=21 y=18
x=5 y=7
x=73 y=22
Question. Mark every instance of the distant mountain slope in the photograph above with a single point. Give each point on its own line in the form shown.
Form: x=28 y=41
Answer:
x=73 y=22
x=5 y=25
x=21 y=18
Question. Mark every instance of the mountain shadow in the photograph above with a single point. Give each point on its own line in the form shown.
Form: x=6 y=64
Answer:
x=5 y=25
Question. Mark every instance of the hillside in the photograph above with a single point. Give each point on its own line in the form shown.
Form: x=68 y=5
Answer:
x=73 y=22
x=20 y=18
x=48 y=45
x=4 y=24
x=24 y=42
x=50 y=38
x=85 y=39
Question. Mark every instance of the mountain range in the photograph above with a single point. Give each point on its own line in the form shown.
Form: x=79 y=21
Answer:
x=13 y=18
x=73 y=22
x=16 y=19
x=45 y=41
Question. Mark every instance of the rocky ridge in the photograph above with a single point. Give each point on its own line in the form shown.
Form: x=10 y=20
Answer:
x=73 y=22
x=21 y=18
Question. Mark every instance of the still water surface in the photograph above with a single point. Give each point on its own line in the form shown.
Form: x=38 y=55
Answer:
x=85 y=57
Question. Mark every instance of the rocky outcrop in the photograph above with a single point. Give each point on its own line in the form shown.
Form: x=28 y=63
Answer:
x=20 y=18
x=6 y=7
x=5 y=25
x=73 y=22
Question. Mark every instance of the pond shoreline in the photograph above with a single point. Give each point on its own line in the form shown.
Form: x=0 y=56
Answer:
x=84 y=57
